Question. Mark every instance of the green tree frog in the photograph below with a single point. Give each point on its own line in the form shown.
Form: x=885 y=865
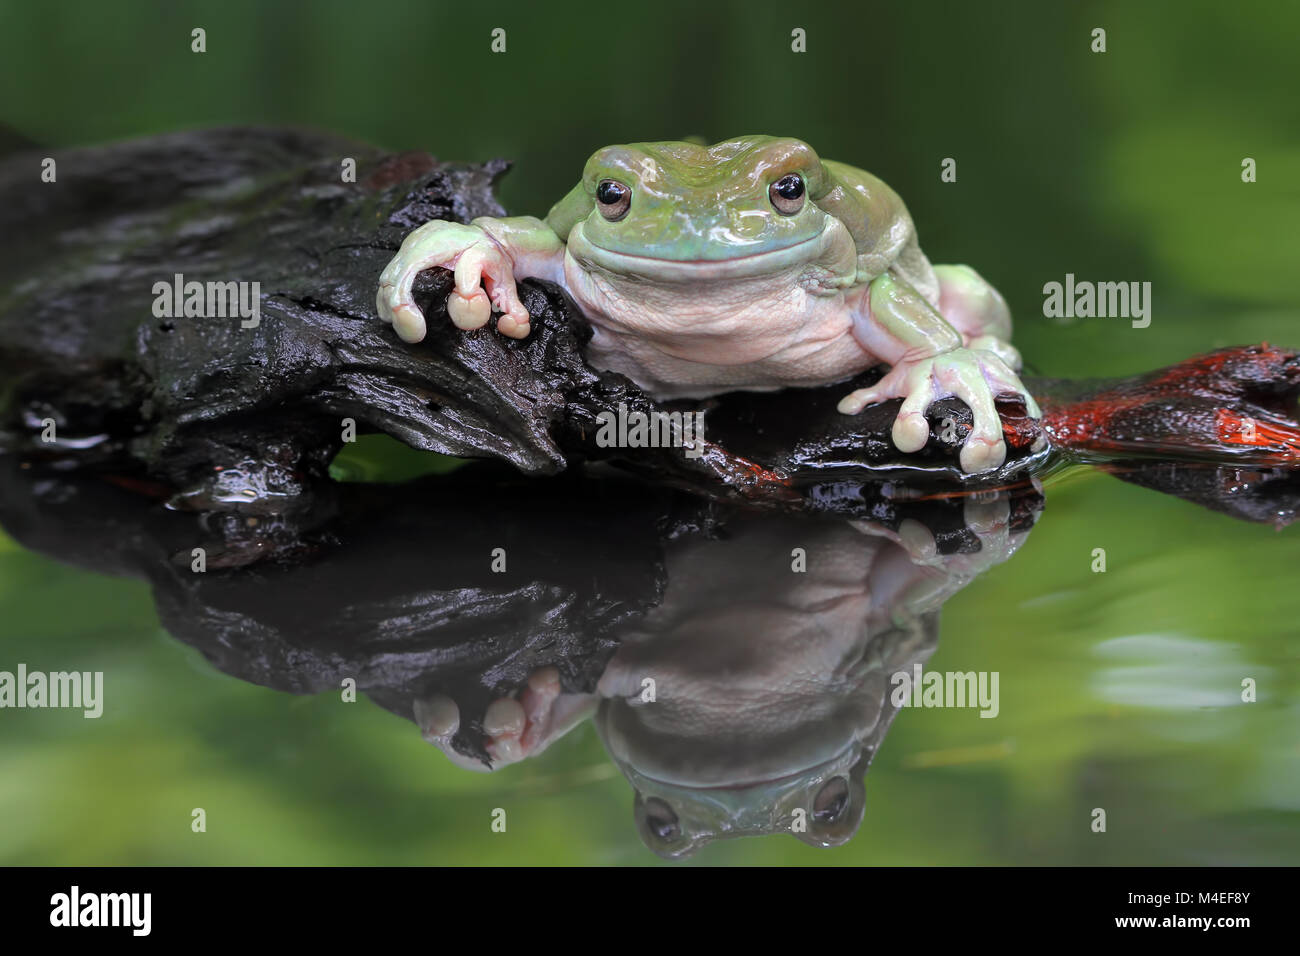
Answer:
x=752 y=264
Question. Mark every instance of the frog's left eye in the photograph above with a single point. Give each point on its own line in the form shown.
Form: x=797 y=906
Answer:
x=613 y=199
x=831 y=800
x=787 y=194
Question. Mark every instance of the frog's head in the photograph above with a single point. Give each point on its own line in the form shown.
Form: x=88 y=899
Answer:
x=678 y=210
x=823 y=806
x=689 y=791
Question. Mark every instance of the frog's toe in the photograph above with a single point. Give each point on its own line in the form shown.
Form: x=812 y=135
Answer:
x=438 y=718
x=468 y=311
x=504 y=722
x=855 y=402
x=515 y=323
x=408 y=322
x=918 y=540
x=395 y=306
x=910 y=432
x=520 y=728
x=984 y=449
x=538 y=700
x=894 y=384
x=911 y=428
x=989 y=518
x=980 y=454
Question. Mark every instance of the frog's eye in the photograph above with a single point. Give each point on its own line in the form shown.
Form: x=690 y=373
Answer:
x=831 y=800
x=660 y=819
x=787 y=194
x=613 y=199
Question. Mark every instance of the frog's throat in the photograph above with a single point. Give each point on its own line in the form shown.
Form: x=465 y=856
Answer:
x=845 y=757
x=588 y=256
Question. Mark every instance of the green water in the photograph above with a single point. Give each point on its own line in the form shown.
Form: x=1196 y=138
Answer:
x=1120 y=690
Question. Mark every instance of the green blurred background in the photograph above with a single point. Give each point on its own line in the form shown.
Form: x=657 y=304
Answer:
x=1118 y=690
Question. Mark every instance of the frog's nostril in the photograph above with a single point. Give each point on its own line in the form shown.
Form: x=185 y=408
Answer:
x=748 y=224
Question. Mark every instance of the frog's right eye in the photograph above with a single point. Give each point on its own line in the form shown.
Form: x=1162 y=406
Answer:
x=787 y=194
x=613 y=199
x=661 y=820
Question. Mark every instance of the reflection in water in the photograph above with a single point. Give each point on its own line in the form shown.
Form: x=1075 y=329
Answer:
x=772 y=686
x=739 y=665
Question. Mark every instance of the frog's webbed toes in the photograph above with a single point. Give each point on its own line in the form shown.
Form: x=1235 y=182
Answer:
x=974 y=376
x=986 y=377
x=477 y=260
x=520 y=728
x=963 y=377
x=892 y=385
x=911 y=429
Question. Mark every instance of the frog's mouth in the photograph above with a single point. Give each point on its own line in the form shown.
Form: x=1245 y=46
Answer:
x=766 y=262
x=796 y=779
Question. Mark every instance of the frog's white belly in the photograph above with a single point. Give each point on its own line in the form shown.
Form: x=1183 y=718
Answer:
x=694 y=339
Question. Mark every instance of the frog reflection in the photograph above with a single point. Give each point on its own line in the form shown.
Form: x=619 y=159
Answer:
x=754 y=696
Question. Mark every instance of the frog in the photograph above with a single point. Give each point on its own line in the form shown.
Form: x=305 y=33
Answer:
x=749 y=265
x=770 y=706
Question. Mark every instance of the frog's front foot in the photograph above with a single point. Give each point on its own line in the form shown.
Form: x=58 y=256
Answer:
x=477 y=260
x=517 y=729
x=974 y=375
